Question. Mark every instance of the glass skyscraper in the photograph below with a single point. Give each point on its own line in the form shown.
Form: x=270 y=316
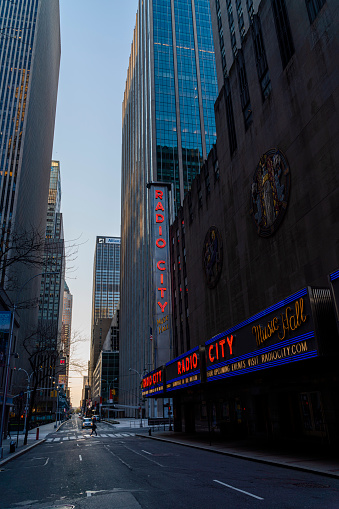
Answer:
x=168 y=129
x=106 y=293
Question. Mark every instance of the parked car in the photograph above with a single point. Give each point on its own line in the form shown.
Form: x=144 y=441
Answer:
x=96 y=418
x=87 y=422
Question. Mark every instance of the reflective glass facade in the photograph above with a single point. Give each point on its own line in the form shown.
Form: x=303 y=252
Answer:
x=106 y=294
x=185 y=87
x=54 y=198
x=106 y=278
x=168 y=130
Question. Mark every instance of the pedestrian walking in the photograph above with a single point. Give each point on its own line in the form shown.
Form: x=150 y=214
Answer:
x=94 y=429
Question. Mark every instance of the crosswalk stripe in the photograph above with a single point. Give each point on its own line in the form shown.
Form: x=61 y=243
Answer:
x=100 y=435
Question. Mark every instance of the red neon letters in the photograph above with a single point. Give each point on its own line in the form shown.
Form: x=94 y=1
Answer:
x=151 y=379
x=160 y=243
x=217 y=351
x=187 y=364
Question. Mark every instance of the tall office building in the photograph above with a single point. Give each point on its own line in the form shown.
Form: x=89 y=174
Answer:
x=168 y=129
x=29 y=59
x=66 y=329
x=54 y=198
x=106 y=293
x=52 y=293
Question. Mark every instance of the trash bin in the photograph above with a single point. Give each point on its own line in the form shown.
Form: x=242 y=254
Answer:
x=12 y=446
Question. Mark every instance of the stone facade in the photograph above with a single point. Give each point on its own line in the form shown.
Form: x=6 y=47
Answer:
x=300 y=118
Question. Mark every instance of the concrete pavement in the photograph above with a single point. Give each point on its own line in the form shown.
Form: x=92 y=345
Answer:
x=32 y=441
x=314 y=459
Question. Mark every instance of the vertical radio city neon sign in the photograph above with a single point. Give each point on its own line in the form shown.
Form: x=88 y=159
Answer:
x=161 y=244
x=159 y=213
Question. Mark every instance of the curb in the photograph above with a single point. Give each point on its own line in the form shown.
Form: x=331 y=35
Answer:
x=20 y=453
x=246 y=457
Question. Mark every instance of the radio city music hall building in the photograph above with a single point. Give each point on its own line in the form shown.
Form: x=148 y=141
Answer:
x=255 y=247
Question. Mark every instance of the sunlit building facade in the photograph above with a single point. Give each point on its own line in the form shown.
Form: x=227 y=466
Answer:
x=168 y=129
x=66 y=329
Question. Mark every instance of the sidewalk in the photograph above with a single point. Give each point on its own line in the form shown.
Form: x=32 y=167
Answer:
x=44 y=430
x=309 y=459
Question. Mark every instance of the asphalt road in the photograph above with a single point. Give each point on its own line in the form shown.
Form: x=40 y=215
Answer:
x=117 y=470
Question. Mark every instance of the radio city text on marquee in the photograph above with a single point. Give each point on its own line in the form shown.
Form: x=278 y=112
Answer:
x=278 y=327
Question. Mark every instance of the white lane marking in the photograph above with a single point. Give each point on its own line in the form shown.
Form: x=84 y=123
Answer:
x=122 y=461
x=237 y=489
x=49 y=439
x=102 y=435
x=80 y=457
x=146 y=452
x=110 y=435
x=118 y=435
x=65 y=438
x=72 y=438
x=138 y=453
x=57 y=440
x=46 y=462
x=90 y=493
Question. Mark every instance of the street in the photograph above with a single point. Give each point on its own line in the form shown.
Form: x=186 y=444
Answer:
x=118 y=469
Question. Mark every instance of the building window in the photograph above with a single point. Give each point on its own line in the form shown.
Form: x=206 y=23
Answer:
x=190 y=210
x=244 y=91
x=250 y=9
x=241 y=22
x=232 y=138
x=283 y=29
x=313 y=8
x=207 y=182
x=216 y=170
x=260 y=57
x=199 y=193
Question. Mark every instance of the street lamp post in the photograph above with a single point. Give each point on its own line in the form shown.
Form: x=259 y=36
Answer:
x=7 y=368
x=57 y=408
x=140 y=394
x=28 y=395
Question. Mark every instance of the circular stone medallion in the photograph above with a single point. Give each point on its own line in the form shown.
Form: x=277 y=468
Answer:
x=212 y=257
x=270 y=192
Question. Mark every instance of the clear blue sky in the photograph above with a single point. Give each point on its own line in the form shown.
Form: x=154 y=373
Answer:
x=96 y=40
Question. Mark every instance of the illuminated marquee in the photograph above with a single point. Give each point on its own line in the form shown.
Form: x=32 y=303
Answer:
x=183 y=371
x=281 y=334
x=153 y=383
x=159 y=213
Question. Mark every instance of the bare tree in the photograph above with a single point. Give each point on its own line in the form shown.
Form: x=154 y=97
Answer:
x=43 y=352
